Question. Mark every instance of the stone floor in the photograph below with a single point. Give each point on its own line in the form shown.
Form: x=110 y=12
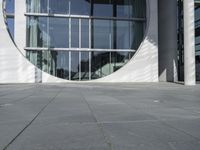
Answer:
x=93 y=116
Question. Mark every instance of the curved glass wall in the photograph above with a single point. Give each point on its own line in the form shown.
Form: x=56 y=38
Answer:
x=9 y=14
x=83 y=39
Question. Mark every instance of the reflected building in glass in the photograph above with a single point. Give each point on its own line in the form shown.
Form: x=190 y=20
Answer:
x=90 y=38
x=84 y=40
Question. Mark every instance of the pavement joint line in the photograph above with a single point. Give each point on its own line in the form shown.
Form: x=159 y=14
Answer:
x=99 y=124
x=43 y=108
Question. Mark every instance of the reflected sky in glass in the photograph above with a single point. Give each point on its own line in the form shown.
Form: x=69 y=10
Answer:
x=10 y=9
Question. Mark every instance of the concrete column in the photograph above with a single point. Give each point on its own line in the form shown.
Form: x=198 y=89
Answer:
x=189 y=43
x=167 y=33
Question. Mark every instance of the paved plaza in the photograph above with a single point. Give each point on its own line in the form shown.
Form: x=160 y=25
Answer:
x=94 y=116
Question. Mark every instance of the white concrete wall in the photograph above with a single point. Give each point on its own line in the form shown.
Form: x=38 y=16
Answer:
x=20 y=25
x=143 y=67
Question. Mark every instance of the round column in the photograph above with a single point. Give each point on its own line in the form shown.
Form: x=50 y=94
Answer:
x=189 y=43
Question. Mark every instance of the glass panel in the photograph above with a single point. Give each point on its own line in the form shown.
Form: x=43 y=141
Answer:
x=10 y=22
x=80 y=7
x=75 y=65
x=103 y=8
x=119 y=59
x=138 y=8
x=75 y=33
x=131 y=8
x=59 y=7
x=84 y=65
x=62 y=66
x=35 y=58
x=197 y=40
x=137 y=30
x=59 y=32
x=102 y=32
x=122 y=35
x=124 y=8
x=49 y=62
x=100 y=64
x=85 y=33
x=10 y=6
x=37 y=32
x=37 y=6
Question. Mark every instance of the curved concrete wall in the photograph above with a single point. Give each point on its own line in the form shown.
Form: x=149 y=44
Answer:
x=143 y=67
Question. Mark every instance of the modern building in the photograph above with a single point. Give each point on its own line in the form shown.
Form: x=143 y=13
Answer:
x=43 y=41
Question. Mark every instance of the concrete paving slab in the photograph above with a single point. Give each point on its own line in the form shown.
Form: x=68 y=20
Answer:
x=63 y=136
x=99 y=116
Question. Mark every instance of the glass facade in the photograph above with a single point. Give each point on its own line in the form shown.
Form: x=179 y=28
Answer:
x=10 y=9
x=76 y=40
x=197 y=38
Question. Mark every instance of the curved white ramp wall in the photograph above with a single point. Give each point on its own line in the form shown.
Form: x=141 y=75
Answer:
x=143 y=67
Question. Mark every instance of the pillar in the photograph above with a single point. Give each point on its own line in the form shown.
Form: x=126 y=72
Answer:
x=189 y=43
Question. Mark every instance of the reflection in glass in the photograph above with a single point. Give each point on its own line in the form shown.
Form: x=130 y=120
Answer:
x=37 y=6
x=84 y=65
x=102 y=33
x=59 y=6
x=84 y=33
x=103 y=8
x=131 y=8
x=123 y=32
x=53 y=62
x=10 y=22
x=49 y=60
x=37 y=32
x=75 y=33
x=62 y=67
x=137 y=35
x=93 y=36
x=125 y=8
x=139 y=9
x=75 y=65
x=59 y=32
x=118 y=59
x=35 y=57
x=10 y=6
x=100 y=64
x=80 y=7
x=57 y=63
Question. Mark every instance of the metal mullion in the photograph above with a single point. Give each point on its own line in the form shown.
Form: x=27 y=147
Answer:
x=90 y=34
x=110 y=62
x=90 y=45
x=79 y=65
x=90 y=61
x=48 y=41
x=48 y=7
x=70 y=32
x=80 y=30
x=80 y=49
x=83 y=17
x=69 y=48
x=69 y=65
